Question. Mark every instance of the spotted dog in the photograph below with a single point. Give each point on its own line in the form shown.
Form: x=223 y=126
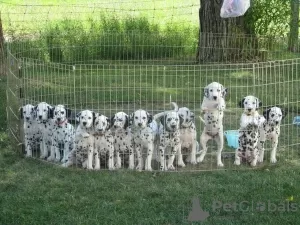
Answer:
x=213 y=106
x=248 y=132
x=122 y=139
x=270 y=130
x=83 y=152
x=144 y=134
x=44 y=113
x=169 y=139
x=32 y=135
x=104 y=141
x=63 y=133
x=188 y=134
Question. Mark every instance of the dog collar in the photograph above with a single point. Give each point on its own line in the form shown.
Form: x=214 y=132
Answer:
x=60 y=123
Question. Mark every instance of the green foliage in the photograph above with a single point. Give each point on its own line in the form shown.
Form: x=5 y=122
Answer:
x=269 y=17
x=110 y=38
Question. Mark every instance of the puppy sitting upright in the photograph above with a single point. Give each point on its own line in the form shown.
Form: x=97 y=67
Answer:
x=213 y=106
x=63 y=133
x=84 y=141
x=270 y=130
x=248 y=132
x=32 y=135
x=144 y=134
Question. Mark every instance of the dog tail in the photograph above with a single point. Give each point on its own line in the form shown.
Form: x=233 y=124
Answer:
x=175 y=106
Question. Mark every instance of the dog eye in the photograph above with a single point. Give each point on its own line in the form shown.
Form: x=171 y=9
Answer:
x=253 y=103
x=55 y=113
x=136 y=117
x=169 y=119
x=97 y=123
x=144 y=118
x=210 y=90
x=90 y=118
x=62 y=112
x=45 y=110
x=218 y=90
x=279 y=115
x=272 y=115
x=246 y=103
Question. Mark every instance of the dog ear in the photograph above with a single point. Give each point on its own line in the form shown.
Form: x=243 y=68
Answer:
x=21 y=112
x=258 y=103
x=50 y=111
x=78 y=117
x=150 y=117
x=192 y=117
x=131 y=118
x=126 y=122
x=108 y=123
x=206 y=91
x=68 y=112
x=180 y=120
x=163 y=119
x=266 y=114
x=224 y=92
x=112 y=119
x=241 y=103
x=94 y=116
x=283 y=113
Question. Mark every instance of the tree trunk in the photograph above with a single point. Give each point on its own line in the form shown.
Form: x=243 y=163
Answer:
x=222 y=40
x=2 y=55
x=293 y=45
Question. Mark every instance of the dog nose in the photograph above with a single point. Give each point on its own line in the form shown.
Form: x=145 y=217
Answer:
x=84 y=123
x=249 y=110
x=58 y=119
x=27 y=118
x=140 y=124
x=215 y=97
x=40 y=117
x=276 y=122
x=173 y=126
x=100 y=129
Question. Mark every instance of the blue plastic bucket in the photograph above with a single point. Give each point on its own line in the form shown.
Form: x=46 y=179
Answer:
x=232 y=137
x=296 y=120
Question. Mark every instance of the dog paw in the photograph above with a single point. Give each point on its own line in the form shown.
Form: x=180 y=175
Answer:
x=131 y=167
x=97 y=167
x=43 y=157
x=237 y=162
x=64 y=160
x=57 y=160
x=220 y=164
x=139 y=167
x=199 y=160
x=253 y=164
x=171 y=167
x=260 y=159
x=50 y=158
x=148 y=169
x=181 y=164
x=28 y=155
x=273 y=160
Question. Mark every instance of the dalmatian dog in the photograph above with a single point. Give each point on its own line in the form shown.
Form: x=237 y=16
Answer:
x=188 y=134
x=32 y=135
x=250 y=124
x=144 y=132
x=44 y=115
x=213 y=106
x=169 y=139
x=122 y=139
x=104 y=141
x=62 y=133
x=270 y=130
x=83 y=151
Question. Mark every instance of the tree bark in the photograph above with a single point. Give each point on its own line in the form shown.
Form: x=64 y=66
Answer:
x=293 y=45
x=222 y=40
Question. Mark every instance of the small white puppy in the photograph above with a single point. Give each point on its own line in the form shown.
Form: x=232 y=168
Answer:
x=270 y=130
x=84 y=141
x=122 y=139
x=104 y=141
x=248 y=131
x=32 y=135
x=213 y=107
x=144 y=133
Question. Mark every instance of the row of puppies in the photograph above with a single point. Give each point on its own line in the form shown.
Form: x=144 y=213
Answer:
x=254 y=129
x=98 y=135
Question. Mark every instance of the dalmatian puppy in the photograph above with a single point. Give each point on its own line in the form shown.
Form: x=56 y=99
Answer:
x=83 y=151
x=169 y=139
x=250 y=124
x=213 y=107
x=63 y=133
x=104 y=141
x=270 y=130
x=32 y=135
x=44 y=115
x=188 y=134
x=144 y=132
x=122 y=138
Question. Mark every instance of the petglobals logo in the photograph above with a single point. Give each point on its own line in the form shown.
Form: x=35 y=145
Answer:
x=250 y=206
